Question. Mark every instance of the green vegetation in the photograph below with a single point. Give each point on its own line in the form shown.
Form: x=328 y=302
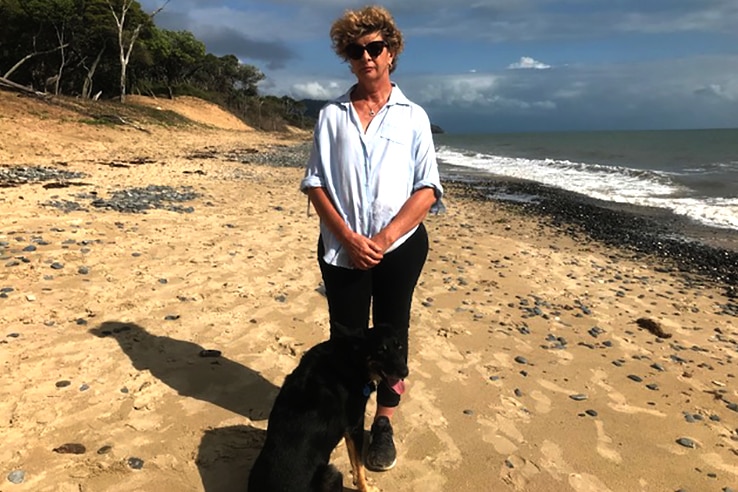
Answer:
x=104 y=49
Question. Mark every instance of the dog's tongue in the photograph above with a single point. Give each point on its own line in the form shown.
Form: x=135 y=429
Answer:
x=397 y=385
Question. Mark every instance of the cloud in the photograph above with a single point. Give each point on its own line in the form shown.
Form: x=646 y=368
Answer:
x=317 y=90
x=727 y=92
x=664 y=94
x=527 y=62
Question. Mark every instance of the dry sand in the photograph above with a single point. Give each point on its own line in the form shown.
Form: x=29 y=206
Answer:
x=103 y=328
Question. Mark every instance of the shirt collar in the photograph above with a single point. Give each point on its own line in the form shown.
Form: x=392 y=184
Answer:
x=396 y=97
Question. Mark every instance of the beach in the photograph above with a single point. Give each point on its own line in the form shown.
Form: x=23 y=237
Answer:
x=157 y=283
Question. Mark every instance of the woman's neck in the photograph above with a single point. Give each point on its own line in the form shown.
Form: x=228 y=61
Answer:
x=377 y=93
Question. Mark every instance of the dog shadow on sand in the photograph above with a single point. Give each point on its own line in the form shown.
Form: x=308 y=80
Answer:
x=225 y=455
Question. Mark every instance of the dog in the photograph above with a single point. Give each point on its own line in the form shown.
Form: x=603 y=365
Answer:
x=322 y=401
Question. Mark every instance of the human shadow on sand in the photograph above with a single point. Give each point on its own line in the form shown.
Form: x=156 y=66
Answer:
x=226 y=456
x=180 y=365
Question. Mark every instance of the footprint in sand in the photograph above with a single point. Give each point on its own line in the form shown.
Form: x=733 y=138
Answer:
x=604 y=442
x=517 y=472
x=553 y=461
x=619 y=401
x=502 y=434
x=542 y=402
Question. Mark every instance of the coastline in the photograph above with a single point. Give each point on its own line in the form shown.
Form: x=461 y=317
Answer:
x=530 y=370
x=675 y=241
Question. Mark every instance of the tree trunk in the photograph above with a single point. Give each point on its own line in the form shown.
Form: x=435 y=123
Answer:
x=87 y=85
x=125 y=51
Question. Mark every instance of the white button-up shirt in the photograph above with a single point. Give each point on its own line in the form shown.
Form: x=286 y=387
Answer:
x=369 y=176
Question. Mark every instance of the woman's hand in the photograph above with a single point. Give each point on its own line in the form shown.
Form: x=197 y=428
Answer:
x=364 y=252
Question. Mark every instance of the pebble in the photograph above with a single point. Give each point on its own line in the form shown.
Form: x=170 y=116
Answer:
x=83 y=270
x=135 y=463
x=635 y=378
x=521 y=360
x=468 y=412
x=591 y=413
x=57 y=266
x=686 y=442
x=105 y=449
x=595 y=331
x=63 y=384
x=16 y=476
x=171 y=317
x=578 y=397
x=71 y=448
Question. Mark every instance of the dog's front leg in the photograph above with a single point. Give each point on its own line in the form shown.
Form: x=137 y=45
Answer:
x=357 y=464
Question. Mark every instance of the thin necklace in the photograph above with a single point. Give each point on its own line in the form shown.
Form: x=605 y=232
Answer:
x=372 y=112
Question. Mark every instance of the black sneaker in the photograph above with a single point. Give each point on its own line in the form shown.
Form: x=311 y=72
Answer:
x=381 y=455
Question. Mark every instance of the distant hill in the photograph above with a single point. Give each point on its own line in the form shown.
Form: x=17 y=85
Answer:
x=313 y=107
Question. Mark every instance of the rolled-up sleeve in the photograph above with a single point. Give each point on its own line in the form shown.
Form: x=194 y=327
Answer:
x=426 y=166
x=314 y=170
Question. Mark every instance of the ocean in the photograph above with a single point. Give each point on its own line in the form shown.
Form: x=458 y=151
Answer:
x=690 y=173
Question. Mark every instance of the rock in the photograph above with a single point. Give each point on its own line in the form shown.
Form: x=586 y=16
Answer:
x=70 y=448
x=686 y=442
x=16 y=476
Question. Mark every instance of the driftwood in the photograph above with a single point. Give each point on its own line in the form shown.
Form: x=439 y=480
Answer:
x=119 y=119
x=9 y=84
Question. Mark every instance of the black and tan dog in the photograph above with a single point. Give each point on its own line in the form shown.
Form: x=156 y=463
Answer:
x=322 y=401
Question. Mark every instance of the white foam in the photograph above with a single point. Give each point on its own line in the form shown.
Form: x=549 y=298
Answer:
x=609 y=183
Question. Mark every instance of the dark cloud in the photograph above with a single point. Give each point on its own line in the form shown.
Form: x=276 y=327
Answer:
x=225 y=41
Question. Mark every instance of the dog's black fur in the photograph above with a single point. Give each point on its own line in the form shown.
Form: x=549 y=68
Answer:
x=322 y=401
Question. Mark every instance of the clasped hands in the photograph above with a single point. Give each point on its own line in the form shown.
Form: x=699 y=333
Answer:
x=367 y=252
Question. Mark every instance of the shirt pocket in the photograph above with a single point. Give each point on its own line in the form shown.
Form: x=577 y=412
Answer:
x=396 y=134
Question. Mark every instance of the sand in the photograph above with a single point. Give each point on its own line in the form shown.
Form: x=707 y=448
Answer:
x=528 y=369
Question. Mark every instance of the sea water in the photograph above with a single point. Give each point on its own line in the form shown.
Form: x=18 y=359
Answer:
x=693 y=173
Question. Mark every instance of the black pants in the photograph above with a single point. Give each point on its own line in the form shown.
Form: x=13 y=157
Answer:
x=387 y=289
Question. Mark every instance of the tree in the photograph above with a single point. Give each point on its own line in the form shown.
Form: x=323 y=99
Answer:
x=126 y=40
x=178 y=55
x=41 y=16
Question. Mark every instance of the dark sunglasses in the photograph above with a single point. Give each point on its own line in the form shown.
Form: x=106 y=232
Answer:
x=356 y=51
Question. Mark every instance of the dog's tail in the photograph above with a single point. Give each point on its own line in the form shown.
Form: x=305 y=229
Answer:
x=328 y=479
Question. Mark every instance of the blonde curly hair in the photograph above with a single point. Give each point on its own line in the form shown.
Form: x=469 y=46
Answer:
x=354 y=24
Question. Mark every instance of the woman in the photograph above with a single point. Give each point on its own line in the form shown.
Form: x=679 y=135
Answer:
x=372 y=177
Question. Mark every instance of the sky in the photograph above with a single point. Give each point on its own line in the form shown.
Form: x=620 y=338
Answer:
x=501 y=65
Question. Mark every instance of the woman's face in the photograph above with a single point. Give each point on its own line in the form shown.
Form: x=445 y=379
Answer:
x=371 y=63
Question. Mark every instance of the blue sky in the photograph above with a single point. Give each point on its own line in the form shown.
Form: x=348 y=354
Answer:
x=502 y=65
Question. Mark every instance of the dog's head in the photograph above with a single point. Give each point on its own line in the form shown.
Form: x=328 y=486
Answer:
x=386 y=355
